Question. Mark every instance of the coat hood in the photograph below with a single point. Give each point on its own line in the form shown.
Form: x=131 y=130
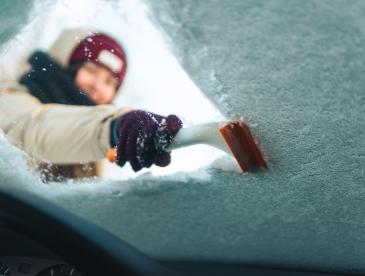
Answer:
x=65 y=44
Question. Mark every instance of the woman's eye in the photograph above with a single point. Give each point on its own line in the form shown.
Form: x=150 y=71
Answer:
x=111 y=82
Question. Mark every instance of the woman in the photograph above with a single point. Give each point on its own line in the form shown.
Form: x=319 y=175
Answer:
x=60 y=109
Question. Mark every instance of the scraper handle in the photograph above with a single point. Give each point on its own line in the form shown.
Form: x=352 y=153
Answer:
x=112 y=155
x=207 y=133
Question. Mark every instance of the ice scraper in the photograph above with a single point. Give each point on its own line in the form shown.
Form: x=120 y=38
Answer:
x=234 y=138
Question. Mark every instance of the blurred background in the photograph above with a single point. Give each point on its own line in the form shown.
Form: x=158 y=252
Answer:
x=155 y=81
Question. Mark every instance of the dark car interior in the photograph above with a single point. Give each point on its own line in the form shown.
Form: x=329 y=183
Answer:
x=39 y=238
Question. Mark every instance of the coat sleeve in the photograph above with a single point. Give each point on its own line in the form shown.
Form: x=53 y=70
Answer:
x=60 y=134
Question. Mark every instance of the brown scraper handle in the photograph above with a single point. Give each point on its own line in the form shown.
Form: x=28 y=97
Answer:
x=239 y=139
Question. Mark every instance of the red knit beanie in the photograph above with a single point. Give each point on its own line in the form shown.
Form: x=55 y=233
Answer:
x=104 y=50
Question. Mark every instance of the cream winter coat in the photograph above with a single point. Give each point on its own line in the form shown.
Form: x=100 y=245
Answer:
x=52 y=132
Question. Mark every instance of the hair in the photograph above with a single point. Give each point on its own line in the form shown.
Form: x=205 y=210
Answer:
x=74 y=68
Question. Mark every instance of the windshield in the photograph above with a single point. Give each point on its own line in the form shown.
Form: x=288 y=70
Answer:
x=293 y=70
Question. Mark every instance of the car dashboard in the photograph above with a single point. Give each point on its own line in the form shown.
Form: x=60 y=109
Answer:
x=24 y=266
x=21 y=256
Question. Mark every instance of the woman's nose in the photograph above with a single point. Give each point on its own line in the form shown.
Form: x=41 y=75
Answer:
x=98 y=84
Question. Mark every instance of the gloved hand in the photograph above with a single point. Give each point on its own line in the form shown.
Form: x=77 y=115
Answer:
x=143 y=138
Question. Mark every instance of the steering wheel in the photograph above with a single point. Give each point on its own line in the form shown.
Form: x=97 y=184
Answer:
x=91 y=249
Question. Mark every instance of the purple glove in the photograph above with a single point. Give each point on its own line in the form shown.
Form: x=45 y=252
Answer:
x=143 y=138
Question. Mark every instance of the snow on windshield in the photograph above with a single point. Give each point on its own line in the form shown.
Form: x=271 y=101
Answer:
x=295 y=71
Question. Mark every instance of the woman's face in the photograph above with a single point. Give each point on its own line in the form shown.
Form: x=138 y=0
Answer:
x=97 y=82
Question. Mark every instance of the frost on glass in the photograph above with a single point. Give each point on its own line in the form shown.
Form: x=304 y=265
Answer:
x=295 y=71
